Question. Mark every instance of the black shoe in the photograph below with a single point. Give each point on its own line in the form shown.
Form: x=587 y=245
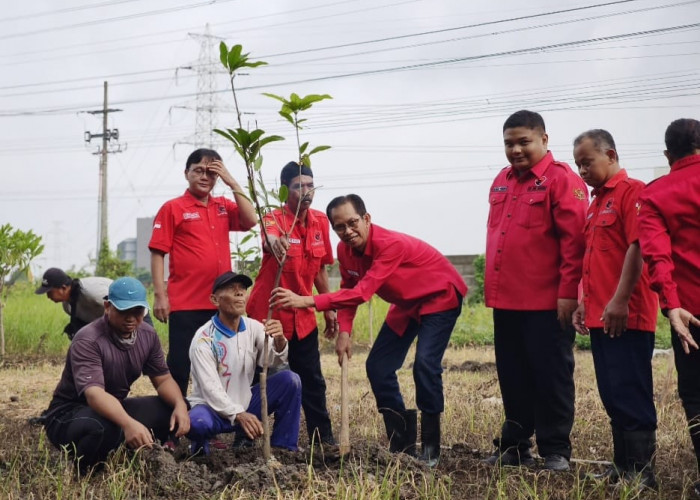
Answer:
x=556 y=463
x=641 y=449
x=329 y=440
x=696 y=488
x=398 y=431
x=430 y=438
x=512 y=457
x=612 y=475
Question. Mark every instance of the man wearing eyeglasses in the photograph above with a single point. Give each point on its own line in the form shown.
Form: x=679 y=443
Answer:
x=307 y=247
x=194 y=230
x=425 y=292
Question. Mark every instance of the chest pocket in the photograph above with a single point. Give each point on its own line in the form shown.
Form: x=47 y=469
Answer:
x=604 y=230
x=498 y=203
x=532 y=209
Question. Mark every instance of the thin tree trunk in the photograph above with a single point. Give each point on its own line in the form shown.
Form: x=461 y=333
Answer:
x=344 y=408
x=2 y=319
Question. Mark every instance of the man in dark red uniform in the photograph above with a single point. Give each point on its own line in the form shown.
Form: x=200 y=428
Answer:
x=194 y=230
x=308 y=249
x=534 y=249
x=425 y=292
x=669 y=232
x=618 y=309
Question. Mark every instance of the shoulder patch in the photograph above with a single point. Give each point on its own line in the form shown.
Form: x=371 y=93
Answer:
x=579 y=194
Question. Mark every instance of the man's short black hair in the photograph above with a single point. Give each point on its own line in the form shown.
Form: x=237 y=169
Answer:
x=525 y=118
x=353 y=199
x=291 y=170
x=199 y=154
x=682 y=138
x=602 y=140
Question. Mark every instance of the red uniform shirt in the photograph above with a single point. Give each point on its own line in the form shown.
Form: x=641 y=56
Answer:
x=309 y=249
x=408 y=273
x=534 y=242
x=196 y=237
x=611 y=227
x=669 y=232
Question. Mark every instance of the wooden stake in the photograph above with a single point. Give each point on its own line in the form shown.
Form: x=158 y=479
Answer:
x=344 y=410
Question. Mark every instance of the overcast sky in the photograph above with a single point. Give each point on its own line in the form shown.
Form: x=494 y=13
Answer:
x=420 y=92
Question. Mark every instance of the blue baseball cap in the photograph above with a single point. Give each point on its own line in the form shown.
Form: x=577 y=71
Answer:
x=127 y=293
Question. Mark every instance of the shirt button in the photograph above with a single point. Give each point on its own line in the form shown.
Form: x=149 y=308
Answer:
x=502 y=233
x=515 y=197
x=497 y=269
x=508 y=215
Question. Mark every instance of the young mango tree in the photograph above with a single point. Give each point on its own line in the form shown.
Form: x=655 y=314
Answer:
x=249 y=144
x=17 y=249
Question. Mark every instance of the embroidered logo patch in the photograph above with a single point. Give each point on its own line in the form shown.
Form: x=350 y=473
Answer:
x=191 y=216
x=579 y=194
x=499 y=189
x=609 y=204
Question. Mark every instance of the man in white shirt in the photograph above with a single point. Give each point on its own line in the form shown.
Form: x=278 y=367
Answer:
x=224 y=354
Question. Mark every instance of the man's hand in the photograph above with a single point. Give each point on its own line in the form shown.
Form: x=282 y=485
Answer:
x=273 y=328
x=680 y=321
x=343 y=344
x=579 y=320
x=565 y=309
x=180 y=420
x=286 y=299
x=279 y=246
x=217 y=166
x=137 y=435
x=161 y=308
x=615 y=317
x=250 y=424
x=332 y=327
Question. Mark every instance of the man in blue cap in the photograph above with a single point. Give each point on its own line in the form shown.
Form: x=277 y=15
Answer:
x=90 y=413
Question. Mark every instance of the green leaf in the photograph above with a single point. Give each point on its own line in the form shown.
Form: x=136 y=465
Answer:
x=318 y=149
x=284 y=193
x=279 y=98
x=303 y=147
x=223 y=54
x=255 y=135
x=294 y=99
x=305 y=160
x=234 y=58
x=255 y=64
x=224 y=134
x=269 y=139
x=246 y=238
x=257 y=163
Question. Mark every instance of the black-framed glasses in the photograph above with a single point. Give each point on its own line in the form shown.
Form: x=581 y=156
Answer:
x=352 y=224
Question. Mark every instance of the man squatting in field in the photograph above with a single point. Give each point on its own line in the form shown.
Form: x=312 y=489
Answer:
x=534 y=252
x=425 y=292
x=90 y=413
x=224 y=354
x=194 y=230
x=618 y=309
x=82 y=298
x=308 y=250
x=669 y=232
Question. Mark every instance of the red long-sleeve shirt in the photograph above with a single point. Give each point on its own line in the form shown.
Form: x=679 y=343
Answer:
x=535 y=242
x=405 y=271
x=669 y=234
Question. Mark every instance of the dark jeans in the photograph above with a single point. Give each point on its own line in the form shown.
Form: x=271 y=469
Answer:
x=624 y=376
x=89 y=437
x=182 y=325
x=688 y=368
x=389 y=352
x=284 y=400
x=535 y=363
x=305 y=361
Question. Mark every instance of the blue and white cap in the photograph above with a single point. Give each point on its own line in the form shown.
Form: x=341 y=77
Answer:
x=126 y=293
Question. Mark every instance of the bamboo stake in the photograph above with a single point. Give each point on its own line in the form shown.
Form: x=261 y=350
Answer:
x=344 y=408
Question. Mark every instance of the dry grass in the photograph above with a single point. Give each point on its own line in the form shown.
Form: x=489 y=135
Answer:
x=30 y=468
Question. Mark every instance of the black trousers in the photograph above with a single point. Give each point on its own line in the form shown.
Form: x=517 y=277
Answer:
x=535 y=363
x=182 y=327
x=688 y=368
x=305 y=361
x=89 y=436
x=624 y=376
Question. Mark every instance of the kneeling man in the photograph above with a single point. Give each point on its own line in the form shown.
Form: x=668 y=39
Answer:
x=224 y=353
x=90 y=413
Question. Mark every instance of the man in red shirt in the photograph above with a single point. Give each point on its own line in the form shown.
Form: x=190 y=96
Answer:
x=425 y=292
x=618 y=309
x=669 y=232
x=308 y=249
x=194 y=230
x=534 y=250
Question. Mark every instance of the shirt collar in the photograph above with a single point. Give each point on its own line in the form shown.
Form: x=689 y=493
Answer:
x=685 y=162
x=538 y=169
x=368 y=246
x=226 y=331
x=191 y=200
x=612 y=182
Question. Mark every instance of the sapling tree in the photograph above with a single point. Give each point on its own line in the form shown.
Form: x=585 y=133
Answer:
x=249 y=144
x=17 y=249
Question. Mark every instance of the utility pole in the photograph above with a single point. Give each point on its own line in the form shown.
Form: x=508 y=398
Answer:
x=106 y=135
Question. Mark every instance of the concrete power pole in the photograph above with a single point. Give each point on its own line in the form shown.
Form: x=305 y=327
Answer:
x=106 y=135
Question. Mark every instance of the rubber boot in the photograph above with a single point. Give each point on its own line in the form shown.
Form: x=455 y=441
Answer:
x=619 y=467
x=640 y=447
x=411 y=419
x=395 y=430
x=430 y=438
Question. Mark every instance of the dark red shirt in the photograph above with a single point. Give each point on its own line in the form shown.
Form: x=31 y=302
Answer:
x=534 y=242
x=669 y=233
x=197 y=238
x=96 y=358
x=408 y=273
x=309 y=249
x=611 y=227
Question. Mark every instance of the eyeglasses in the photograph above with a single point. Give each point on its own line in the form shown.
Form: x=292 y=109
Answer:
x=201 y=172
x=297 y=187
x=352 y=224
